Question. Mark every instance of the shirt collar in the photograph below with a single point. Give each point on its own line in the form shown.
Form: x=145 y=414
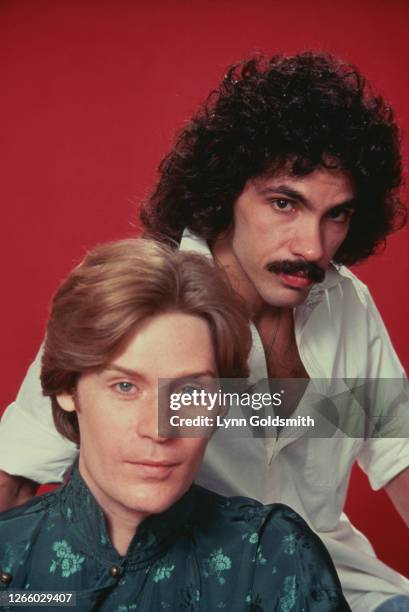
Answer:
x=153 y=537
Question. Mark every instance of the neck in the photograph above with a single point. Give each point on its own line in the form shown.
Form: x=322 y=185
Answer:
x=122 y=523
x=121 y=528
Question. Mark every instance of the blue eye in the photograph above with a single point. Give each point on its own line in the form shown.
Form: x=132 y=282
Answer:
x=188 y=389
x=125 y=386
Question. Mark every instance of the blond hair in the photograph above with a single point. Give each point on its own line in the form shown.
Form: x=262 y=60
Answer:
x=114 y=289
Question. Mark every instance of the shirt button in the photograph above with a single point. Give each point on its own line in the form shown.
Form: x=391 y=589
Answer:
x=115 y=571
x=5 y=577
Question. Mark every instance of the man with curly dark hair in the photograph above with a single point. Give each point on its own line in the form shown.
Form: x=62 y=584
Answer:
x=291 y=114
x=289 y=170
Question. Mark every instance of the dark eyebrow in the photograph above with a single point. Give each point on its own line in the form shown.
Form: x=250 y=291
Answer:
x=286 y=191
x=352 y=204
x=289 y=192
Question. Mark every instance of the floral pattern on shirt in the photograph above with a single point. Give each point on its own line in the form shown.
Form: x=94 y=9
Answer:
x=289 y=544
x=217 y=563
x=68 y=562
x=163 y=572
x=204 y=553
x=287 y=602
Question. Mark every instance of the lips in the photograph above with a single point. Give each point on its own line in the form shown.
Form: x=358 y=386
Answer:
x=298 y=280
x=297 y=273
x=153 y=469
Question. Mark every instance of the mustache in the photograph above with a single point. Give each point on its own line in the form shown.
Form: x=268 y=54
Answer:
x=311 y=270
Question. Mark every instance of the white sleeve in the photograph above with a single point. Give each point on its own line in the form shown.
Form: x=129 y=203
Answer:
x=30 y=445
x=385 y=457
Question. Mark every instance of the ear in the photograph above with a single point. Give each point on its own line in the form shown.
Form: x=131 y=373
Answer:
x=66 y=401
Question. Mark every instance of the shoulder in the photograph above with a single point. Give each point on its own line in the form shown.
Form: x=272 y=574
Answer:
x=20 y=526
x=25 y=513
x=273 y=527
x=30 y=513
x=292 y=558
x=243 y=516
x=290 y=535
x=278 y=557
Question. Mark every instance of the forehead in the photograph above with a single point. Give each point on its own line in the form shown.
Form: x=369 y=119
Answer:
x=167 y=345
x=321 y=182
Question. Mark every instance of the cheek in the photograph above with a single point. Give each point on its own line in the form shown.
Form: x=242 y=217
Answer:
x=334 y=240
x=100 y=431
x=252 y=240
x=252 y=221
x=264 y=230
x=193 y=452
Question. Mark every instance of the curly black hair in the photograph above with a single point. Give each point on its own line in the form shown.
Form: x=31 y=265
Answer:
x=299 y=111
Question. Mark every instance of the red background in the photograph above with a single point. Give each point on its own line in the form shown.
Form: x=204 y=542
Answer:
x=92 y=93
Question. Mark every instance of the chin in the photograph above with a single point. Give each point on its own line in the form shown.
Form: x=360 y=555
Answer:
x=286 y=298
x=151 y=502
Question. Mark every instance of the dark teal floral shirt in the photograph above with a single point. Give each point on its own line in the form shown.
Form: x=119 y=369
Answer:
x=206 y=553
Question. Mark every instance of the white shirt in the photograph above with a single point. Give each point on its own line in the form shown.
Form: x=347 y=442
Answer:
x=339 y=334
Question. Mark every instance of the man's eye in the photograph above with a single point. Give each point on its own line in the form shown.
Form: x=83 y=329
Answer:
x=341 y=215
x=188 y=389
x=282 y=204
x=125 y=387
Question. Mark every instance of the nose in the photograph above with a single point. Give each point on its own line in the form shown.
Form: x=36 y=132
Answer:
x=150 y=420
x=307 y=240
